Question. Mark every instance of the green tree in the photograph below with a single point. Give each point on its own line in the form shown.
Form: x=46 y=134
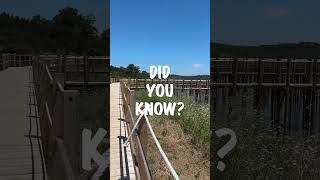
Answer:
x=133 y=71
x=72 y=31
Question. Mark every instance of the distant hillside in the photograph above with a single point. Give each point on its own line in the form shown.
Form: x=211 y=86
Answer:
x=298 y=50
x=198 y=77
x=133 y=71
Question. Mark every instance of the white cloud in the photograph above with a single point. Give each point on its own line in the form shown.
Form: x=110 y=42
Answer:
x=277 y=12
x=196 y=65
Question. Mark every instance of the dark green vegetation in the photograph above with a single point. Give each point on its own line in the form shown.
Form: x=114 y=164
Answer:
x=67 y=32
x=262 y=154
x=131 y=71
x=134 y=72
x=92 y=107
x=298 y=50
x=72 y=33
x=93 y=113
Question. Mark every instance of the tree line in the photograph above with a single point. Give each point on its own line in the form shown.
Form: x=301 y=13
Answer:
x=134 y=72
x=131 y=71
x=68 y=32
x=282 y=50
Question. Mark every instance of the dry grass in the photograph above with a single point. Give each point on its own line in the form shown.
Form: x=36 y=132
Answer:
x=188 y=161
x=262 y=154
x=185 y=139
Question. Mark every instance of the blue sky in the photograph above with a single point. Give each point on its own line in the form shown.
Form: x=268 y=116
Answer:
x=161 y=32
x=253 y=22
x=49 y=8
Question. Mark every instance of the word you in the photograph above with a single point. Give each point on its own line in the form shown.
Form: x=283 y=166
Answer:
x=160 y=90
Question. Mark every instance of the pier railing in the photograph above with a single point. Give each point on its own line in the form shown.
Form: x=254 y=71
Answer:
x=15 y=60
x=265 y=72
x=177 y=83
x=285 y=90
x=59 y=127
x=80 y=71
x=139 y=142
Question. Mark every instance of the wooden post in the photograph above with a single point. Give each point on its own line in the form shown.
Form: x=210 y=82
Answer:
x=143 y=137
x=235 y=99
x=85 y=71
x=235 y=71
x=279 y=70
x=8 y=62
x=217 y=77
x=63 y=63
x=246 y=79
x=136 y=84
x=132 y=103
x=183 y=85
x=260 y=81
x=286 y=114
x=4 y=58
x=173 y=83
x=59 y=77
x=21 y=64
x=71 y=130
x=313 y=98
x=17 y=57
x=57 y=63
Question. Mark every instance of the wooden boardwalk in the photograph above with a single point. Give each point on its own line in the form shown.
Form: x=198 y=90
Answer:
x=121 y=162
x=21 y=156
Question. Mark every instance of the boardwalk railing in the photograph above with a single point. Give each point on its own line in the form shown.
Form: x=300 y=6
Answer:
x=59 y=126
x=140 y=141
x=197 y=90
x=14 y=60
x=77 y=70
x=265 y=72
x=286 y=91
x=80 y=70
x=177 y=83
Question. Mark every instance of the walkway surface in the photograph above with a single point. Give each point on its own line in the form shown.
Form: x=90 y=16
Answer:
x=21 y=157
x=121 y=163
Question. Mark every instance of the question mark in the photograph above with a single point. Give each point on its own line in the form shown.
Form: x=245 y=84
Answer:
x=180 y=108
x=227 y=147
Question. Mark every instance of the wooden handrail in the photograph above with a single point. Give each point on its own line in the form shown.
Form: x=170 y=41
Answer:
x=177 y=83
x=15 y=60
x=252 y=72
x=53 y=122
x=138 y=143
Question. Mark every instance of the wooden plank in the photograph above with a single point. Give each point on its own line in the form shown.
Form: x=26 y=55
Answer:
x=21 y=152
x=121 y=160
